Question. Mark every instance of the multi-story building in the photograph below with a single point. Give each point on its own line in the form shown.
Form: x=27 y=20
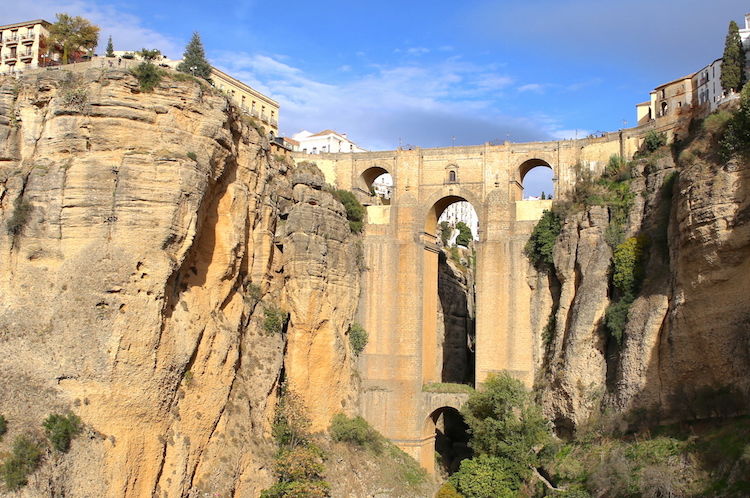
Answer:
x=707 y=83
x=326 y=141
x=23 y=45
x=669 y=100
x=248 y=99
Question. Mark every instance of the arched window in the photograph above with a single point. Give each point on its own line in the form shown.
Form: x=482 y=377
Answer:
x=452 y=176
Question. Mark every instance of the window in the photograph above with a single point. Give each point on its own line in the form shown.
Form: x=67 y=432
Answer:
x=452 y=176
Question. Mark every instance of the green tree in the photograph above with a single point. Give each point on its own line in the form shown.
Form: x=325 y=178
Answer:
x=464 y=237
x=110 y=48
x=733 y=61
x=194 y=59
x=541 y=243
x=149 y=54
x=72 y=35
x=505 y=422
x=489 y=477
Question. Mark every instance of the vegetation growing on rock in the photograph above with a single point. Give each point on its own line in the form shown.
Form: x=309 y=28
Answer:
x=61 y=429
x=355 y=211
x=357 y=338
x=24 y=459
x=541 y=243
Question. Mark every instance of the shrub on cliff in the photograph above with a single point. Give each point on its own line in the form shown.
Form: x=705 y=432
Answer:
x=60 y=429
x=25 y=458
x=736 y=139
x=654 y=141
x=357 y=338
x=274 y=319
x=541 y=244
x=355 y=431
x=3 y=426
x=464 y=237
x=355 y=211
x=628 y=272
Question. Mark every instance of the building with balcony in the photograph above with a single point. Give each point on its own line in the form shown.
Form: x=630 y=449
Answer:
x=249 y=100
x=326 y=141
x=23 y=45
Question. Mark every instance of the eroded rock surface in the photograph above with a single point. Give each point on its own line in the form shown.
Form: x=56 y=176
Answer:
x=159 y=228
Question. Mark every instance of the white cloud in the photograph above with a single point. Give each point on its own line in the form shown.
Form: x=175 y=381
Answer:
x=423 y=104
x=532 y=87
x=417 y=51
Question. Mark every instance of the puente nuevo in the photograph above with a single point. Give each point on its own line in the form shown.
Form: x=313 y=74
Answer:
x=398 y=307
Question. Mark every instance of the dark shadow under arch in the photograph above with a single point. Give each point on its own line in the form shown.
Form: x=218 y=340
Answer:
x=451 y=438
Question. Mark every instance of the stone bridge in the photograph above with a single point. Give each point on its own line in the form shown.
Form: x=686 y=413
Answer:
x=398 y=306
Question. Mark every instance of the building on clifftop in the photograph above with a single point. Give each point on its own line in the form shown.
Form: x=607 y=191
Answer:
x=326 y=141
x=23 y=45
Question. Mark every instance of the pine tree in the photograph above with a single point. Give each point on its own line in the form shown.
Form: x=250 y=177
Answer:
x=733 y=63
x=110 y=48
x=194 y=60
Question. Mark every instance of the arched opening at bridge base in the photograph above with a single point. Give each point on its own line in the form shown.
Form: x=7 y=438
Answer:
x=536 y=180
x=451 y=441
x=376 y=186
x=449 y=297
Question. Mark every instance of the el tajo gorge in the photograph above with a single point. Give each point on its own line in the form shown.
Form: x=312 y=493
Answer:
x=398 y=306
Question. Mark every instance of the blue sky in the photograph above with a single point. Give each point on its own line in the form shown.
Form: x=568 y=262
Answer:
x=422 y=73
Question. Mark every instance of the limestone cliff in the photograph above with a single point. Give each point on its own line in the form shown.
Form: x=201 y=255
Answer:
x=686 y=341
x=145 y=240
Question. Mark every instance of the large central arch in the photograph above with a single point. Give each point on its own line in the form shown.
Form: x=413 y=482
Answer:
x=432 y=363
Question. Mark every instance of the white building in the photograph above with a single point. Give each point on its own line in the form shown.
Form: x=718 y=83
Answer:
x=461 y=211
x=708 y=85
x=23 y=46
x=326 y=141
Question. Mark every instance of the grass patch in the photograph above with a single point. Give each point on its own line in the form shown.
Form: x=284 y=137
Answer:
x=447 y=387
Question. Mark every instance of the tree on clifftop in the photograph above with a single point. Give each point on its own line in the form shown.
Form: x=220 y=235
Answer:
x=733 y=63
x=110 y=48
x=194 y=59
x=70 y=36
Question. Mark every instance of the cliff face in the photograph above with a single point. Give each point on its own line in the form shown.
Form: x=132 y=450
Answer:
x=145 y=240
x=686 y=344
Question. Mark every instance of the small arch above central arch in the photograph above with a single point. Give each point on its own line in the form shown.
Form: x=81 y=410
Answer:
x=376 y=181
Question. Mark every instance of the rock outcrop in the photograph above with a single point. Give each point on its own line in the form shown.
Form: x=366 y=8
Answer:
x=686 y=342
x=145 y=239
